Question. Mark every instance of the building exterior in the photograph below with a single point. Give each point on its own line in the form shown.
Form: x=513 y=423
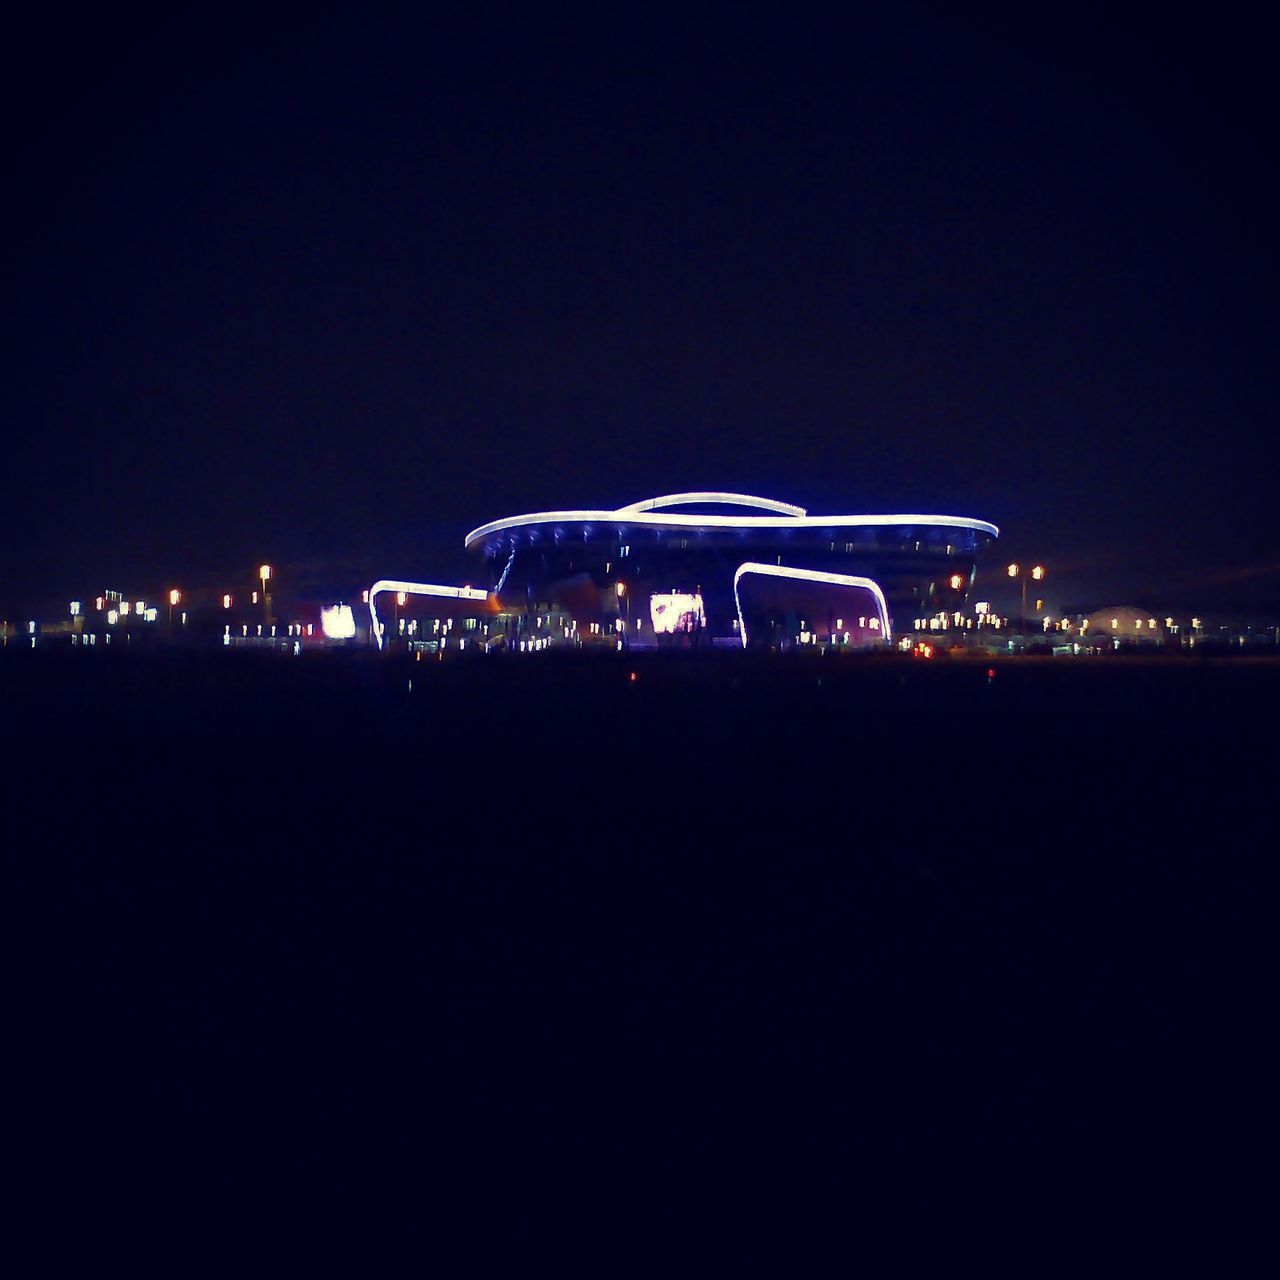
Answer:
x=708 y=568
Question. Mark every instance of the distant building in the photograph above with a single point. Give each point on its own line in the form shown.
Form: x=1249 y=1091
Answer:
x=706 y=567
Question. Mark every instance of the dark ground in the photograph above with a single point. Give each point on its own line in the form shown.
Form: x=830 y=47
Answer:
x=737 y=914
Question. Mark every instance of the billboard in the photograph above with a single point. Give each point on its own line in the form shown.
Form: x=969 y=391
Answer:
x=676 y=611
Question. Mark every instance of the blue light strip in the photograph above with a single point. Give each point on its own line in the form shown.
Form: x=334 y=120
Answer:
x=809 y=575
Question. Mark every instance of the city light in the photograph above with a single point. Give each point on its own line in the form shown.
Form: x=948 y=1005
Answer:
x=174 y=597
x=808 y=575
x=75 y=608
x=264 y=573
x=226 y=602
x=1013 y=571
x=956 y=582
x=1038 y=572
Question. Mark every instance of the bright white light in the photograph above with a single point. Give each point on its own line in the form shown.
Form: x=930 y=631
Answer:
x=416 y=589
x=264 y=572
x=226 y=602
x=809 y=575
x=112 y=617
x=174 y=596
x=75 y=608
x=713 y=499
x=140 y=607
x=151 y=614
x=675 y=611
x=655 y=519
x=124 y=608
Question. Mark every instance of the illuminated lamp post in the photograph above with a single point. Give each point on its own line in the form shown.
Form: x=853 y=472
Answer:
x=621 y=589
x=1037 y=573
x=402 y=599
x=174 y=597
x=264 y=574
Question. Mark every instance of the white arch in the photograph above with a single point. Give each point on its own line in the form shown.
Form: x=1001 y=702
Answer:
x=416 y=589
x=808 y=575
x=716 y=498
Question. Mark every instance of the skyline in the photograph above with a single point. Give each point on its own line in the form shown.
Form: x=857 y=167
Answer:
x=340 y=293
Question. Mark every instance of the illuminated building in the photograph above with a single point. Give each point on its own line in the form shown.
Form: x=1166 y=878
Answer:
x=709 y=567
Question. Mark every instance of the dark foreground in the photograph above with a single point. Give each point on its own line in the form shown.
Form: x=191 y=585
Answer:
x=731 y=915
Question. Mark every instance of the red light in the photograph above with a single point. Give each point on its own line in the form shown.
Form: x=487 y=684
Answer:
x=633 y=677
x=991 y=673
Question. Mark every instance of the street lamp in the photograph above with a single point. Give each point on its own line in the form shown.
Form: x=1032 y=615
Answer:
x=1037 y=573
x=621 y=589
x=174 y=597
x=264 y=575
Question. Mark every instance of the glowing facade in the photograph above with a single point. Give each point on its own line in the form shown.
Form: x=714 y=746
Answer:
x=761 y=571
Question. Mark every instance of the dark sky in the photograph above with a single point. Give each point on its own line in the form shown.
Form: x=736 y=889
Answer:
x=350 y=287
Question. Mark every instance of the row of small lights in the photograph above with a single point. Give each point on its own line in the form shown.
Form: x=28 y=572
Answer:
x=151 y=614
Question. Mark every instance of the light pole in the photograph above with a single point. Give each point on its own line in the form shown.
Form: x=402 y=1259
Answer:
x=621 y=589
x=174 y=597
x=1037 y=573
x=264 y=574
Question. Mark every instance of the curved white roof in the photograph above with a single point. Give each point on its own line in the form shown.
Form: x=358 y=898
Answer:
x=713 y=499
x=647 y=513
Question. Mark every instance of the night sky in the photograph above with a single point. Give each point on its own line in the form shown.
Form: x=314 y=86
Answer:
x=338 y=289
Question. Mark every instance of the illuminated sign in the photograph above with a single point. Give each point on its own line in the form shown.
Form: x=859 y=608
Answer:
x=676 y=611
x=338 y=623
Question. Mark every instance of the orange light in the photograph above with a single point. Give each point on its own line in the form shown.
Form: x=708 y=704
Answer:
x=1038 y=572
x=956 y=582
x=174 y=596
x=1013 y=571
x=401 y=597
